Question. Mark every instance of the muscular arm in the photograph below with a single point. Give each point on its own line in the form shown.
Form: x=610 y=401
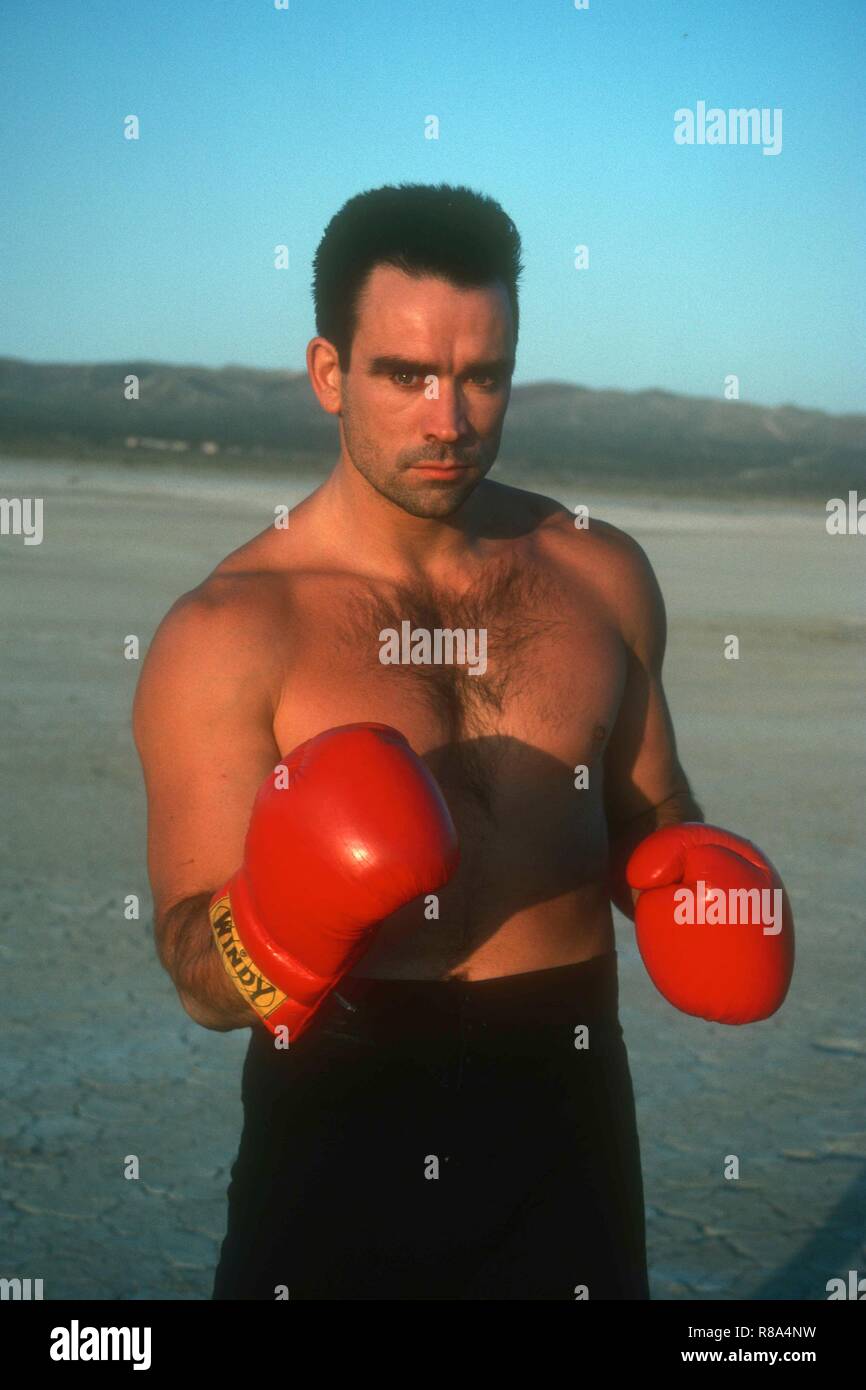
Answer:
x=203 y=726
x=645 y=785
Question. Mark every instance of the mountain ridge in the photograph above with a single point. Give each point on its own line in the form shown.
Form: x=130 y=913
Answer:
x=642 y=437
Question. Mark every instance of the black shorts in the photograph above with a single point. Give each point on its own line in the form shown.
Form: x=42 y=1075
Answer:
x=442 y=1140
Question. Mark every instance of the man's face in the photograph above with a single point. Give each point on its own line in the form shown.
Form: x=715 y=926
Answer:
x=397 y=424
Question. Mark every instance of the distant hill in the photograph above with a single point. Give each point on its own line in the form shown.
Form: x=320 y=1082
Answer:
x=642 y=438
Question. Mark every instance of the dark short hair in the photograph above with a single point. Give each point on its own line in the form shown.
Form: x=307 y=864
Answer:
x=423 y=229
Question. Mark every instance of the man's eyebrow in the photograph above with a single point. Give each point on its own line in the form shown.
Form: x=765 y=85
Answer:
x=495 y=366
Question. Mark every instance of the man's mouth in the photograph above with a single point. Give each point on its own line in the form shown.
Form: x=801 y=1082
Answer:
x=443 y=470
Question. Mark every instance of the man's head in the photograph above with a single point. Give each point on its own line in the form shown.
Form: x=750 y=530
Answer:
x=415 y=289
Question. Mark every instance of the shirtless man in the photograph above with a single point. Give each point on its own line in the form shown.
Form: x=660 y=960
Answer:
x=456 y=1118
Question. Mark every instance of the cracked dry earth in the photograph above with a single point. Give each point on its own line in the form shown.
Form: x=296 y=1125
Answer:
x=100 y=1062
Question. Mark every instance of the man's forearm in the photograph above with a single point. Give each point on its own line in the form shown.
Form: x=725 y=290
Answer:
x=186 y=947
x=626 y=837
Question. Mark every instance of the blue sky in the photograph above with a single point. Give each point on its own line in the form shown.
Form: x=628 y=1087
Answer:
x=258 y=123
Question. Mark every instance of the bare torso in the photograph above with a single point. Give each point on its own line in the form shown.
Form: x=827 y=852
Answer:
x=531 y=891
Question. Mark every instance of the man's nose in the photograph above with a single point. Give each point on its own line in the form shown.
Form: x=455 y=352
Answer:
x=445 y=416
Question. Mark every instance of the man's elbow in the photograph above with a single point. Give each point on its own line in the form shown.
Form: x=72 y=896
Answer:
x=194 y=1009
x=206 y=1017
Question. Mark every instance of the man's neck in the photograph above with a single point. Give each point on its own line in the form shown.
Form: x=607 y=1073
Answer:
x=373 y=531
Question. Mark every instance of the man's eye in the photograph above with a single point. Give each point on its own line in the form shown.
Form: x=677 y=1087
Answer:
x=486 y=382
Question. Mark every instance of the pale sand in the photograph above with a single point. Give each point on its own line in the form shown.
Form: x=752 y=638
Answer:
x=101 y=1062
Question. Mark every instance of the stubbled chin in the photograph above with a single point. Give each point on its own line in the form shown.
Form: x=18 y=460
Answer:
x=435 y=502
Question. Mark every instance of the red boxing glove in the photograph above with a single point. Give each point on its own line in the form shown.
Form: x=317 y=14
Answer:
x=346 y=829
x=714 y=925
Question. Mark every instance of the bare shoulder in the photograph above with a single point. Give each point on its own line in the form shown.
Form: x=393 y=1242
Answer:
x=217 y=644
x=230 y=606
x=589 y=551
x=549 y=518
